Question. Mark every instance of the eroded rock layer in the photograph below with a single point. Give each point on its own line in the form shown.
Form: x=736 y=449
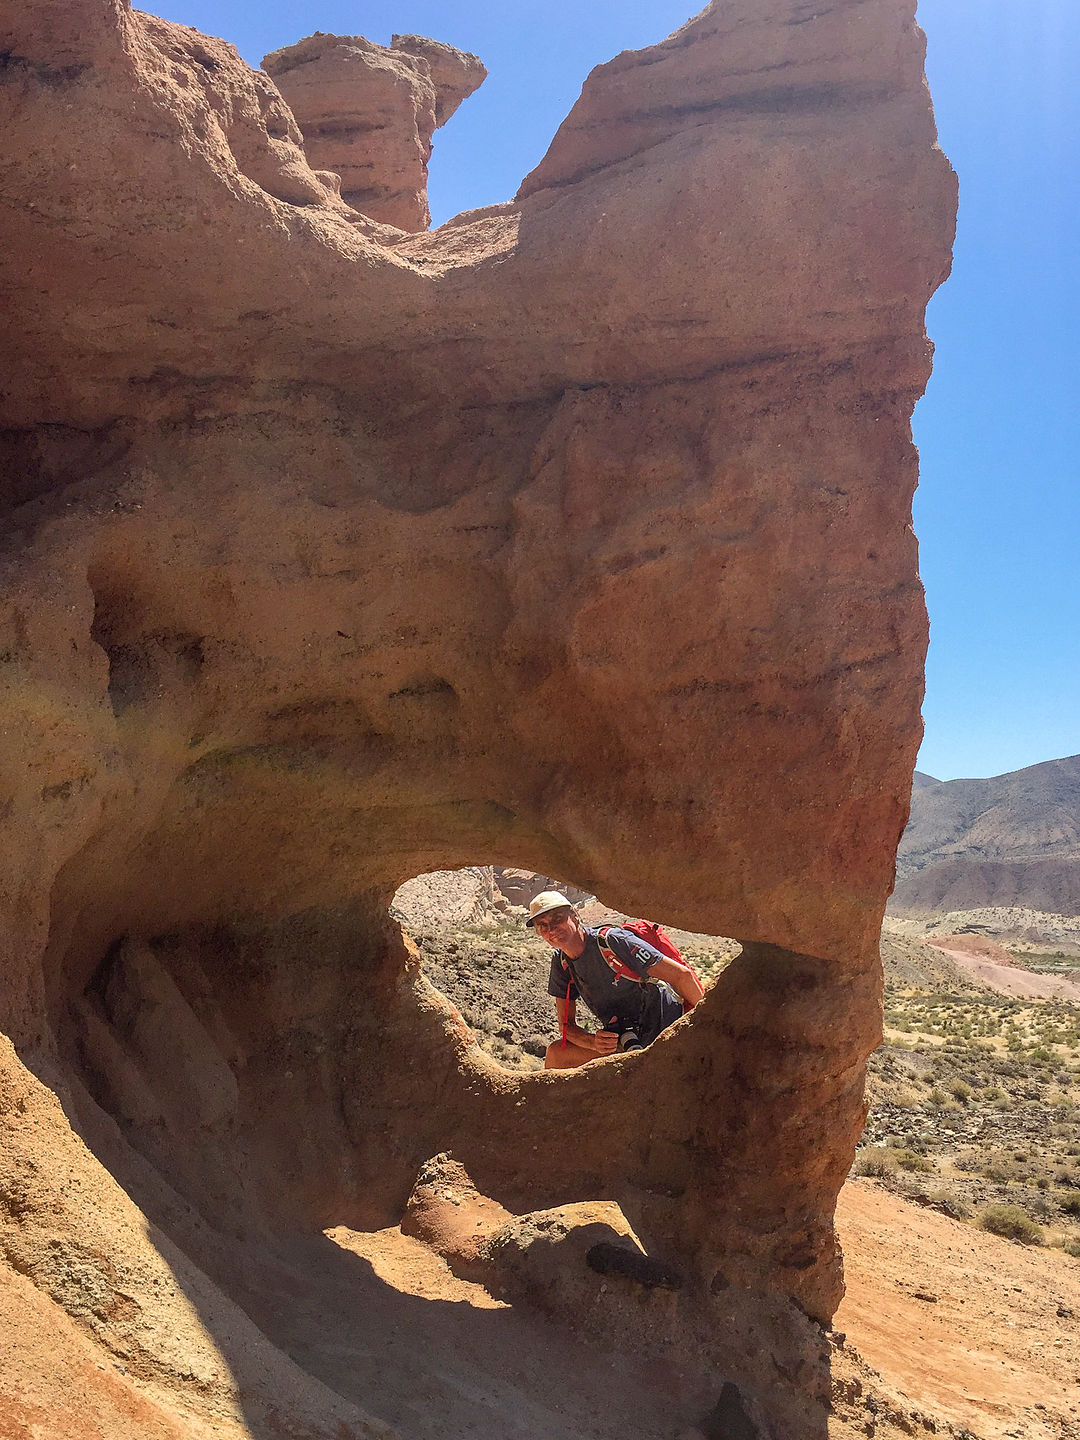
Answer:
x=573 y=536
x=368 y=113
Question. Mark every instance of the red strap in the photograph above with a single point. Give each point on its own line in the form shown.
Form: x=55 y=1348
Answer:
x=622 y=971
x=566 y=1003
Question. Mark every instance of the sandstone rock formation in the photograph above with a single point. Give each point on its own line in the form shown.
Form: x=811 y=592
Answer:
x=519 y=886
x=368 y=113
x=447 y=897
x=573 y=536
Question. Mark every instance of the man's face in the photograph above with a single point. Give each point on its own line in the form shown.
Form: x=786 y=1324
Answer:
x=560 y=928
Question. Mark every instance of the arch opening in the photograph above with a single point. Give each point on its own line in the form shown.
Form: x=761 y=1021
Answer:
x=475 y=949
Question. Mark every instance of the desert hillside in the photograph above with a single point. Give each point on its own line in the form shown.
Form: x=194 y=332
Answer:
x=1012 y=841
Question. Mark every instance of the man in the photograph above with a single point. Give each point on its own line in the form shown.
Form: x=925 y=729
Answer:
x=630 y=1008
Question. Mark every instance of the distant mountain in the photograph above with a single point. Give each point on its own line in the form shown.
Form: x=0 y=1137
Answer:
x=1013 y=840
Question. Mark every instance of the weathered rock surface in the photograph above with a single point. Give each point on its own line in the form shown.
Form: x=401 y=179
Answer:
x=455 y=74
x=520 y=886
x=447 y=897
x=573 y=536
x=368 y=113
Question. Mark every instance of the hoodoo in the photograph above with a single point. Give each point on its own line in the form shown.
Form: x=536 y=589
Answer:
x=574 y=535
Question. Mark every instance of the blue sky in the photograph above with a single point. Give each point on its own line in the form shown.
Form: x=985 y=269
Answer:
x=998 y=510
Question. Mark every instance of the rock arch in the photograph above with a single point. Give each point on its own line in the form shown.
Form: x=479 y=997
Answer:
x=575 y=534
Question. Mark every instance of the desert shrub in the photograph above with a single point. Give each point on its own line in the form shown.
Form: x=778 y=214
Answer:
x=1012 y=1222
x=1071 y=1205
x=877 y=1161
x=937 y=1096
x=999 y=1173
x=947 y=1204
x=900 y=1094
x=961 y=1091
x=919 y=1164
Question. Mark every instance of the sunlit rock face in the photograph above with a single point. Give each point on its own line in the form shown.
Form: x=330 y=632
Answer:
x=368 y=113
x=573 y=536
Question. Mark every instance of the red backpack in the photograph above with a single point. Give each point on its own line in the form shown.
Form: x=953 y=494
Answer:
x=654 y=935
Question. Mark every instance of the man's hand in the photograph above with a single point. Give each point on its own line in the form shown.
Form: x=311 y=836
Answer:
x=604 y=1042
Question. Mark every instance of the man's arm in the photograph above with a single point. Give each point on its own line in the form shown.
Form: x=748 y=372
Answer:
x=652 y=964
x=681 y=979
x=602 y=1043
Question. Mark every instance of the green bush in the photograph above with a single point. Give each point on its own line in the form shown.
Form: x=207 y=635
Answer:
x=1012 y=1222
x=1071 y=1205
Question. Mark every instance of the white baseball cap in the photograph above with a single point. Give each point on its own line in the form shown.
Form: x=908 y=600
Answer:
x=545 y=901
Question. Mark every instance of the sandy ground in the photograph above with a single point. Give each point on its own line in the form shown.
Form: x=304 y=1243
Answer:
x=997 y=1347
x=384 y=1322
x=971 y=1331
x=56 y=1382
x=996 y=1350
x=1011 y=980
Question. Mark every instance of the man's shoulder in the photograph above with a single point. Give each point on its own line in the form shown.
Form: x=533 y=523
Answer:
x=628 y=944
x=617 y=933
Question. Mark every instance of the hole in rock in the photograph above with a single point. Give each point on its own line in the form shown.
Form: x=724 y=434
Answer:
x=476 y=950
x=149 y=658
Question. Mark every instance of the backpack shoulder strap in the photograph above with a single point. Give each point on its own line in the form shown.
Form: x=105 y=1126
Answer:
x=622 y=971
